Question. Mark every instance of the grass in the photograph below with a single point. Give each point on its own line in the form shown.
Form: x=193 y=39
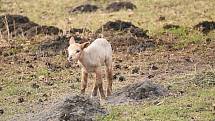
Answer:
x=193 y=105
x=182 y=12
x=17 y=79
x=185 y=37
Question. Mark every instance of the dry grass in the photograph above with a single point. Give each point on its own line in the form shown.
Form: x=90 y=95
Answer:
x=16 y=77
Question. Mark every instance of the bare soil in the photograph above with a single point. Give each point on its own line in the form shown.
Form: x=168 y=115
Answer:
x=140 y=91
x=205 y=26
x=84 y=8
x=126 y=37
x=171 y=26
x=71 y=108
x=18 y=25
x=116 y=6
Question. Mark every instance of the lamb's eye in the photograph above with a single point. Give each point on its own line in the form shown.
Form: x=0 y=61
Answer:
x=77 y=51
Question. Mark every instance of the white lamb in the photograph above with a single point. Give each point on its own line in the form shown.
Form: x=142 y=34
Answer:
x=92 y=57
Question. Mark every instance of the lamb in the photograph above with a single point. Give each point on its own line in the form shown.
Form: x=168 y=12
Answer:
x=92 y=57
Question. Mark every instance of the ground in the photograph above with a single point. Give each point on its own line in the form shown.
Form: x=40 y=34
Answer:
x=182 y=59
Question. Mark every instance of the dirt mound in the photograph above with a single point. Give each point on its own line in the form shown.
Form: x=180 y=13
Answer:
x=80 y=108
x=21 y=25
x=137 y=92
x=84 y=8
x=116 y=6
x=78 y=30
x=171 y=26
x=124 y=35
x=119 y=25
x=71 y=108
x=10 y=19
x=58 y=44
x=205 y=26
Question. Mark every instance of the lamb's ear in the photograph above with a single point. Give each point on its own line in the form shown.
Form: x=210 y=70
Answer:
x=72 y=40
x=84 y=45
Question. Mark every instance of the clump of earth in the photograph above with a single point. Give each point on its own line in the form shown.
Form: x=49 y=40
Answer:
x=72 y=108
x=138 y=92
x=117 y=6
x=119 y=25
x=58 y=44
x=84 y=8
x=171 y=26
x=125 y=36
x=205 y=26
x=79 y=108
x=18 y=25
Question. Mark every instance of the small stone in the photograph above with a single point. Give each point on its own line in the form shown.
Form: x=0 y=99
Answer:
x=30 y=66
x=117 y=66
x=34 y=58
x=121 y=78
x=78 y=80
x=35 y=86
x=1 y=111
x=5 y=54
x=67 y=65
x=120 y=60
x=150 y=76
x=156 y=102
x=27 y=61
x=208 y=40
x=135 y=70
x=169 y=87
x=33 y=76
x=50 y=83
x=41 y=77
x=45 y=95
x=81 y=112
x=125 y=67
x=161 y=18
x=188 y=59
x=115 y=76
x=213 y=106
x=181 y=92
x=40 y=100
x=72 y=86
x=189 y=105
x=28 y=93
x=153 y=67
x=21 y=100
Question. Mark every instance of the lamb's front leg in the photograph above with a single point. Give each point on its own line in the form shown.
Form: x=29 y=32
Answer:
x=84 y=81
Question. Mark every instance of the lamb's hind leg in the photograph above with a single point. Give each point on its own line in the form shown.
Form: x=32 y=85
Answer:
x=109 y=79
x=84 y=81
x=98 y=85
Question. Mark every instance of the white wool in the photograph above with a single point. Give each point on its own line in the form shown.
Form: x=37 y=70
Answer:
x=97 y=54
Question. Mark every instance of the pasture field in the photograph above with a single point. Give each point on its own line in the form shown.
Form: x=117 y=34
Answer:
x=164 y=47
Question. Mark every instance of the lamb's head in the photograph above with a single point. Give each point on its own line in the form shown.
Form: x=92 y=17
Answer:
x=75 y=50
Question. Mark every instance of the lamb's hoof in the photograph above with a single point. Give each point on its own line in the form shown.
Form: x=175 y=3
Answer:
x=103 y=101
x=93 y=96
x=108 y=94
x=82 y=94
x=103 y=98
